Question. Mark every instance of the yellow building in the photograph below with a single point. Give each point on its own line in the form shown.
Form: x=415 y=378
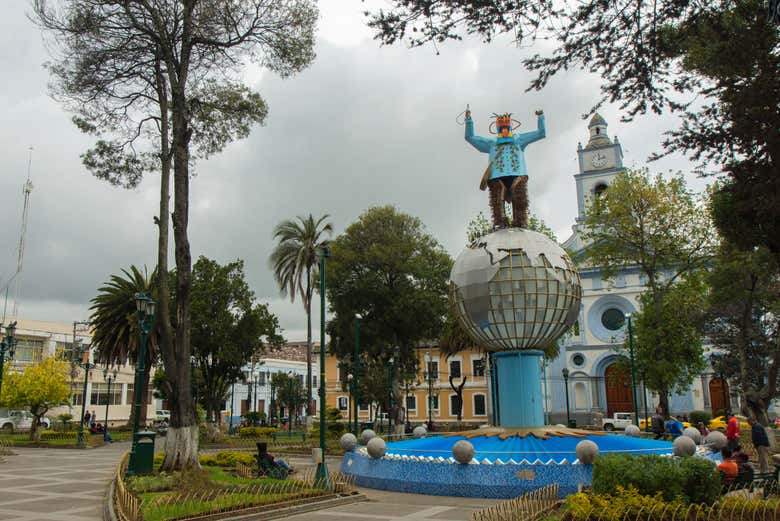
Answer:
x=471 y=365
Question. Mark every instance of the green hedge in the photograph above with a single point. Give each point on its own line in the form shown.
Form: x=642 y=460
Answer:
x=699 y=416
x=256 y=432
x=220 y=459
x=692 y=479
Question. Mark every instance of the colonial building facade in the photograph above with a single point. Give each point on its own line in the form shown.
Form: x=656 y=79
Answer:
x=39 y=339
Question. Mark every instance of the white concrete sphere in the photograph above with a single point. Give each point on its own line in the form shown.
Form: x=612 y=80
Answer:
x=419 y=432
x=561 y=426
x=348 y=442
x=587 y=451
x=716 y=440
x=516 y=289
x=633 y=431
x=693 y=433
x=463 y=451
x=366 y=436
x=684 y=446
x=376 y=447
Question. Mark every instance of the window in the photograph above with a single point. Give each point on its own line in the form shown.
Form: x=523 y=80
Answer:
x=77 y=397
x=314 y=380
x=578 y=359
x=455 y=368
x=363 y=407
x=455 y=405
x=435 y=400
x=65 y=351
x=411 y=403
x=478 y=367
x=99 y=394
x=343 y=403
x=613 y=319
x=28 y=350
x=261 y=378
x=480 y=408
x=433 y=370
x=129 y=394
x=600 y=189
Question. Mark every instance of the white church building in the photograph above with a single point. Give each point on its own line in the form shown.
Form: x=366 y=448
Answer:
x=595 y=384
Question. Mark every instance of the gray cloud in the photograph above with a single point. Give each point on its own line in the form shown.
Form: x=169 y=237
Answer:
x=363 y=126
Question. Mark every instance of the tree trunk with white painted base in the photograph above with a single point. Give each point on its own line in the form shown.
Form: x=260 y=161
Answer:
x=181 y=448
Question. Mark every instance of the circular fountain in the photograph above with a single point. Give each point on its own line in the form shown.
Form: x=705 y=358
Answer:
x=515 y=291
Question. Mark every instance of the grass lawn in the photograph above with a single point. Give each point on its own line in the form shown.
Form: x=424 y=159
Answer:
x=216 y=489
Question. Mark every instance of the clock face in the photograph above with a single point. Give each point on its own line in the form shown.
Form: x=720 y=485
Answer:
x=599 y=160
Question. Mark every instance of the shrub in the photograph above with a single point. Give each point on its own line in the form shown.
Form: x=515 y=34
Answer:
x=158 y=459
x=623 y=504
x=209 y=460
x=692 y=479
x=256 y=432
x=699 y=416
x=153 y=483
x=229 y=459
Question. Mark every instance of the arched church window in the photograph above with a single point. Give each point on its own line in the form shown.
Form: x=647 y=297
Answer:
x=599 y=190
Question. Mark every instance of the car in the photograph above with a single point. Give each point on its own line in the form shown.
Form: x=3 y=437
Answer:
x=19 y=420
x=162 y=414
x=719 y=422
x=644 y=422
x=620 y=420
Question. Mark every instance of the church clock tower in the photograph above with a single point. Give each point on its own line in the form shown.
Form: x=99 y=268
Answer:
x=600 y=161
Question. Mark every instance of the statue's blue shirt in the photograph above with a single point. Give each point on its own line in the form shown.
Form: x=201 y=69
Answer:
x=510 y=160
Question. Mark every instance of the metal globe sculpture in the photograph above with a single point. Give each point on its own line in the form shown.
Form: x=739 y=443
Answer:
x=516 y=289
x=419 y=431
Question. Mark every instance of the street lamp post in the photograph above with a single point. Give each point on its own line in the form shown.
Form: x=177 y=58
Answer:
x=145 y=307
x=108 y=376
x=389 y=391
x=322 y=468
x=8 y=345
x=232 y=406
x=633 y=368
x=349 y=400
x=85 y=363
x=644 y=398
x=356 y=368
x=429 y=377
x=289 y=402
x=565 y=373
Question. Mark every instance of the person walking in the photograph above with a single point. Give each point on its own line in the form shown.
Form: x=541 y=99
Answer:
x=732 y=432
x=87 y=417
x=761 y=442
x=657 y=423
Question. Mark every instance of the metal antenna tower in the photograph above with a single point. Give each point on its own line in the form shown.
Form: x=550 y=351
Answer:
x=26 y=190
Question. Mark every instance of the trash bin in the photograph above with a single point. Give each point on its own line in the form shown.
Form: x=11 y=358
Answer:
x=572 y=423
x=144 y=453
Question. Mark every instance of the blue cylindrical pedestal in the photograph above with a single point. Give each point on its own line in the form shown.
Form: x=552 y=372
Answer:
x=520 y=401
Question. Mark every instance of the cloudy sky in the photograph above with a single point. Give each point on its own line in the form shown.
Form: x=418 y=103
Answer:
x=364 y=125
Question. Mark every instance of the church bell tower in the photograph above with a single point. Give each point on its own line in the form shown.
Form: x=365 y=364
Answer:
x=599 y=161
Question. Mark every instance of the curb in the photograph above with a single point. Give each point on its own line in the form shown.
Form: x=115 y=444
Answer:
x=108 y=501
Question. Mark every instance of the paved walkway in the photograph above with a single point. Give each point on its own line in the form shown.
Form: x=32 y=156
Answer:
x=57 y=484
x=393 y=506
x=69 y=485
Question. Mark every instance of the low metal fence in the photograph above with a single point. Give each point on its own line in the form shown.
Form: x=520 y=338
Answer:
x=128 y=506
x=528 y=507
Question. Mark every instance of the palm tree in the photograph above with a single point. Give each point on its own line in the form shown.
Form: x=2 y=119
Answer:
x=116 y=333
x=293 y=261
